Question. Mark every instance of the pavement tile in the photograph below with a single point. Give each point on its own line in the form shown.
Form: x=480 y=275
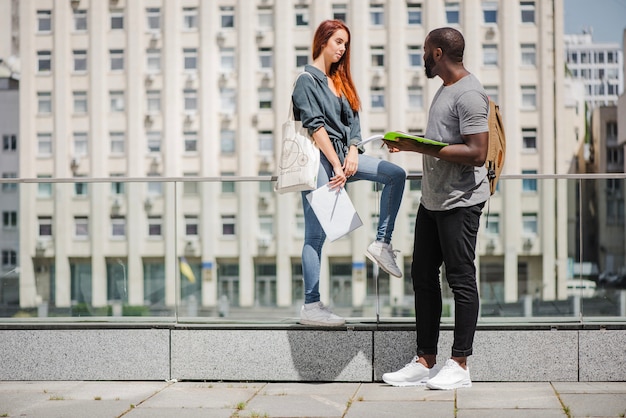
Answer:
x=595 y=405
x=384 y=392
x=395 y=409
x=510 y=413
x=204 y=395
x=536 y=395
x=590 y=387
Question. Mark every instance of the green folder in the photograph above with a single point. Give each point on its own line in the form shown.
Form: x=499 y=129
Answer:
x=397 y=135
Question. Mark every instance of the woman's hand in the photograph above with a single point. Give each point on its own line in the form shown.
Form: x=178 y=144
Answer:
x=351 y=162
x=339 y=179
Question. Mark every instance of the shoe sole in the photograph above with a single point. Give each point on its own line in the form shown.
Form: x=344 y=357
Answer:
x=449 y=387
x=373 y=259
x=321 y=324
x=405 y=384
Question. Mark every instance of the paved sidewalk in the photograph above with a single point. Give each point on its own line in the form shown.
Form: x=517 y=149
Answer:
x=341 y=400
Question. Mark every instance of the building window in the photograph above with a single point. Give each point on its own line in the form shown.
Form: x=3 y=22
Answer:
x=80 y=102
x=190 y=59
x=118 y=143
x=302 y=57
x=414 y=14
x=228 y=187
x=155 y=224
x=265 y=58
x=492 y=93
x=80 y=20
x=529 y=138
x=117 y=19
x=453 y=13
x=415 y=56
x=9 y=143
x=153 y=14
x=9 y=187
x=190 y=18
x=116 y=99
x=116 y=59
x=44 y=21
x=529 y=54
x=377 y=14
x=227 y=17
x=80 y=189
x=190 y=187
x=118 y=227
x=228 y=100
x=266 y=142
x=44 y=144
x=266 y=226
x=378 y=97
x=155 y=188
x=266 y=18
x=527 y=9
x=9 y=258
x=227 y=60
x=416 y=97
x=377 y=54
x=302 y=15
x=80 y=61
x=492 y=224
x=490 y=12
x=153 y=60
x=9 y=220
x=81 y=227
x=529 y=97
x=529 y=224
x=45 y=226
x=228 y=225
x=153 y=98
x=44 y=190
x=227 y=141
x=154 y=141
x=81 y=146
x=117 y=187
x=340 y=12
x=191 y=141
x=490 y=55
x=44 y=102
x=265 y=97
x=191 y=225
x=190 y=99
x=44 y=61
x=265 y=187
x=529 y=185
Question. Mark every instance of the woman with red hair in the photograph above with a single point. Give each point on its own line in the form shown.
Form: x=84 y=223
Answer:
x=327 y=103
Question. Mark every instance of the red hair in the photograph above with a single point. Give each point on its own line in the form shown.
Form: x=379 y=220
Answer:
x=339 y=71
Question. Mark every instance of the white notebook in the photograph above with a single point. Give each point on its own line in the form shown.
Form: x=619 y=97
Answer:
x=335 y=211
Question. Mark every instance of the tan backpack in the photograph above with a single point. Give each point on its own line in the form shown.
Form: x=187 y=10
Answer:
x=497 y=146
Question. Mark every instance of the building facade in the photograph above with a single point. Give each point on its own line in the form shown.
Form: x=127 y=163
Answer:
x=598 y=65
x=124 y=93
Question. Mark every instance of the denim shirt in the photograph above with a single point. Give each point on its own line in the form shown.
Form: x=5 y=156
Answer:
x=316 y=105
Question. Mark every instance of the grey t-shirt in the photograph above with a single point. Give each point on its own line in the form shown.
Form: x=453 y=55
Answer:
x=458 y=109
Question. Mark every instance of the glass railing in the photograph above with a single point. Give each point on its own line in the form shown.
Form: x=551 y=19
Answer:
x=227 y=250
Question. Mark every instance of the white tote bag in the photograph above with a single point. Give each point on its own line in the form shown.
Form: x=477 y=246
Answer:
x=299 y=158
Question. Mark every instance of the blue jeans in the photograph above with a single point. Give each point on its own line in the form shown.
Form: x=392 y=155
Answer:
x=446 y=237
x=393 y=179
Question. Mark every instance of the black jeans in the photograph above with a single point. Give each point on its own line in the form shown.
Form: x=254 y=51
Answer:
x=447 y=237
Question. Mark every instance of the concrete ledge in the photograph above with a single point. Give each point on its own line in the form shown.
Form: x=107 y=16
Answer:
x=358 y=353
x=85 y=354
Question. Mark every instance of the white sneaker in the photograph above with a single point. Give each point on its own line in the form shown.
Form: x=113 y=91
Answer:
x=317 y=314
x=413 y=374
x=385 y=256
x=451 y=376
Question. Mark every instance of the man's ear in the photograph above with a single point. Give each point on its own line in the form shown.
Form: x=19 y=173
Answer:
x=438 y=53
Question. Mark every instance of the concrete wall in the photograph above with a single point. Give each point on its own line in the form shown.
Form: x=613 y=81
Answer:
x=359 y=354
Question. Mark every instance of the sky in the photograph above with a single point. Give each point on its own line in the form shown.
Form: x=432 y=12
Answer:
x=606 y=17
